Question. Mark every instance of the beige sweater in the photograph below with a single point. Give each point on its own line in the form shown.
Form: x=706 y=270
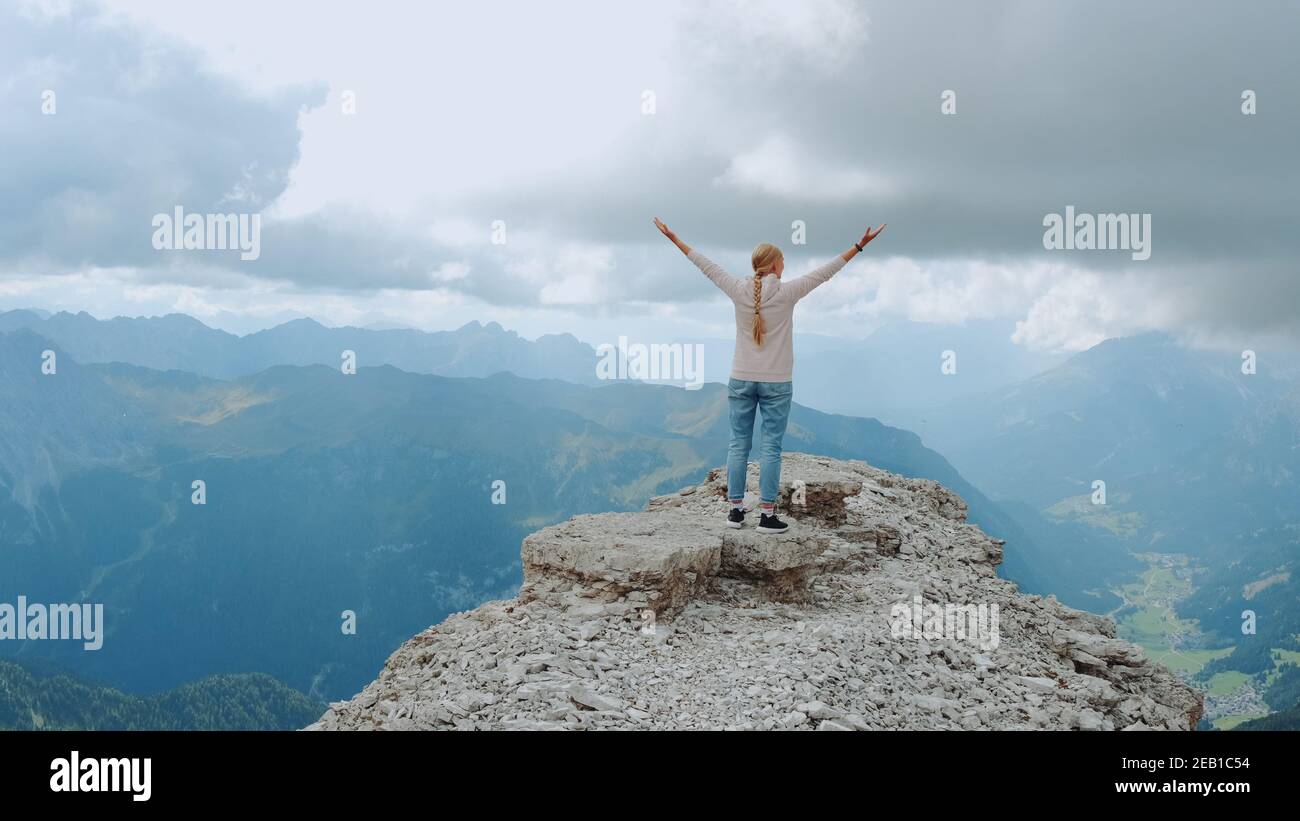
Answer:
x=773 y=361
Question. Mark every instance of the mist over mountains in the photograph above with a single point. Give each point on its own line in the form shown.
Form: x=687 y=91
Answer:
x=1127 y=407
x=1199 y=459
x=894 y=369
x=1194 y=453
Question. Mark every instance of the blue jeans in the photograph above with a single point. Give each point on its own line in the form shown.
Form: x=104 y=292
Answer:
x=743 y=397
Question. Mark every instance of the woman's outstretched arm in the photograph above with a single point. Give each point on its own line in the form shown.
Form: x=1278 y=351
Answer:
x=802 y=286
x=728 y=284
x=668 y=232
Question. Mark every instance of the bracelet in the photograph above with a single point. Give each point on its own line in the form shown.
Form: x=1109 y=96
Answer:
x=859 y=247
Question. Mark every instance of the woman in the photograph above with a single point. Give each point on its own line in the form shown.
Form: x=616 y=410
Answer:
x=762 y=366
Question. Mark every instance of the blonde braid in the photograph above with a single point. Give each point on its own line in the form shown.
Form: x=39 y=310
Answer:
x=759 y=326
x=766 y=258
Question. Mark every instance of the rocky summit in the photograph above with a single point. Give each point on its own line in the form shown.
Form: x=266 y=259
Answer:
x=881 y=608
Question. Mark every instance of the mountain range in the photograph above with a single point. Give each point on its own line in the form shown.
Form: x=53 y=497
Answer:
x=372 y=492
x=181 y=342
x=328 y=493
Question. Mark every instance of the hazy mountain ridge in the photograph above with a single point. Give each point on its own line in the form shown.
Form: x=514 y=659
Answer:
x=1125 y=407
x=181 y=342
x=82 y=422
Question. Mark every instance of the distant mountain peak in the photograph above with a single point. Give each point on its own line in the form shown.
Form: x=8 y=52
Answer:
x=301 y=322
x=492 y=327
x=36 y=313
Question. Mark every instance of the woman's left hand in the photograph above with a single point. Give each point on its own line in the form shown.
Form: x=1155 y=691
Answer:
x=870 y=235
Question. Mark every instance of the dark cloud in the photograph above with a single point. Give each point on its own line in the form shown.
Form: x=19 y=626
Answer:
x=1106 y=106
x=139 y=128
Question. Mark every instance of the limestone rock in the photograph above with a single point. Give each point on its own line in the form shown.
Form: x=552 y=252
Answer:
x=613 y=554
x=667 y=619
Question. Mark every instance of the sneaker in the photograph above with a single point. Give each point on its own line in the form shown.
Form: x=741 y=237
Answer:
x=770 y=524
x=736 y=517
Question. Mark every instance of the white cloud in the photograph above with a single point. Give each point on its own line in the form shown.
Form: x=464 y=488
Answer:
x=779 y=168
x=450 y=272
x=458 y=232
x=938 y=291
x=1086 y=307
x=584 y=277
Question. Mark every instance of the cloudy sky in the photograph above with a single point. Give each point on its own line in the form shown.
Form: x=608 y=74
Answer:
x=574 y=123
